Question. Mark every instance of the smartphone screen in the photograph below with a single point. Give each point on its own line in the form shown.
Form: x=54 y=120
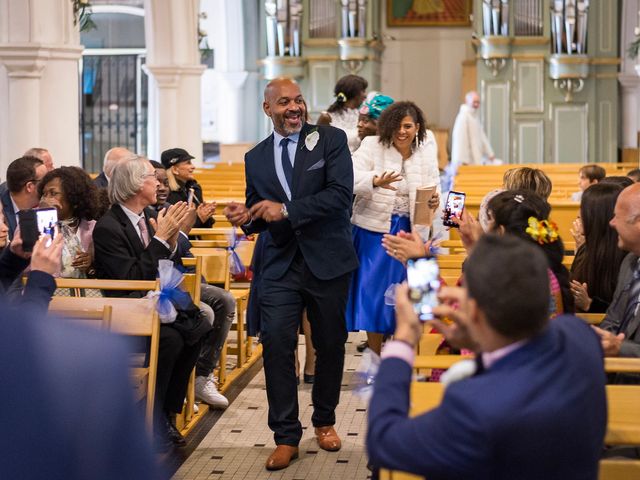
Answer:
x=423 y=278
x=453 y=207
x=47 y=219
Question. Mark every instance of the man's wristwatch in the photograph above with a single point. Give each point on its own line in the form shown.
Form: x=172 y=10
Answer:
x=283 y=211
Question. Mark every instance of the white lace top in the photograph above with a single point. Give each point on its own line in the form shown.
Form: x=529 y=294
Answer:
x=401 y=204
x=347 y=120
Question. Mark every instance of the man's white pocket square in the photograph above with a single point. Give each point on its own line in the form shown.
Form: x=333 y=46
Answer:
x=319 y=164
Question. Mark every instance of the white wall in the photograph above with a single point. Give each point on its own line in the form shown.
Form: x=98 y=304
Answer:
x=229 y=90
x=424 y=65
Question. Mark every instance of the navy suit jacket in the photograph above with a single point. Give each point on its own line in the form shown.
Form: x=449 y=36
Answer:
x=538 y=413
x=9 y=213
x=319 y=211
x=101 y=181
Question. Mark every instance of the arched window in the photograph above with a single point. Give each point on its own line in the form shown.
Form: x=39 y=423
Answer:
x=113 y=107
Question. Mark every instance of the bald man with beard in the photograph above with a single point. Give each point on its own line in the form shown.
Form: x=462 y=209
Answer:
x=299 y=189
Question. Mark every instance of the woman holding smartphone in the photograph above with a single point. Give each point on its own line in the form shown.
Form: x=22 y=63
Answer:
x=72 y=193
x=184 y=187
x=388 y=170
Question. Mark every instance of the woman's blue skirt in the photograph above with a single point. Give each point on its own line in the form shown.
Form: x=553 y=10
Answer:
x=366 y=308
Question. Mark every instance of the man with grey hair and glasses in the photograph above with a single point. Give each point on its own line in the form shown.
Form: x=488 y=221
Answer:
x=128 y=246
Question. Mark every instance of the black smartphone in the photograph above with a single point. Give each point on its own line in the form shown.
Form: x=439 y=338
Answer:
x=36 y=222
x=453 y=208
x=423 y=279
x=28 y=229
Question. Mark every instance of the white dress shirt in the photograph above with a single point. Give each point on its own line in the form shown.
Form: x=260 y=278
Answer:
x=277 y=157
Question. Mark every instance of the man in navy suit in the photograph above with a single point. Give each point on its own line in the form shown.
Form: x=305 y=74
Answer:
x=299 y=188
x=23 y=176
x=535 y=407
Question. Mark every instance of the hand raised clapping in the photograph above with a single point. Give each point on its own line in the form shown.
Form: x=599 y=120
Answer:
x=386 y=179
x=169 y=221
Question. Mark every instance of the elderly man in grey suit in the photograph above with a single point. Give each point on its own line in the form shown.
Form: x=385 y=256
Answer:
x=620 y=329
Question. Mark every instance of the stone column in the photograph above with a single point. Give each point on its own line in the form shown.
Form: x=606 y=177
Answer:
x=629 y=88
x=173 y=61
x=39 y=53
x=628 y=77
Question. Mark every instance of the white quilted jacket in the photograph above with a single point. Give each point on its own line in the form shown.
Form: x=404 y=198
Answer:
x=373 y=205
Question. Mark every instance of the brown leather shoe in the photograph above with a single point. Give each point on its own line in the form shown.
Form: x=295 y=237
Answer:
x=328 y=439
x=281 y=457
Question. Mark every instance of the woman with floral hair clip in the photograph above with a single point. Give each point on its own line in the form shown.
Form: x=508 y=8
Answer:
x=350 y=91
x=526 y=215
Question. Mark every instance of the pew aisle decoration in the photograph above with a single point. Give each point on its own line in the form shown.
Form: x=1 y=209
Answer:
x=365 y=375
x=169 y=294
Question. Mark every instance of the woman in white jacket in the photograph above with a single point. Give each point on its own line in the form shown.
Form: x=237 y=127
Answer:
x=388 y=170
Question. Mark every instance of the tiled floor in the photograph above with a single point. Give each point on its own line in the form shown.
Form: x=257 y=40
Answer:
x=240 y=442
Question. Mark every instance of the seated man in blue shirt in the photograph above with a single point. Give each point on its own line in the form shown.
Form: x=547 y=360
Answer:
x=535 y=406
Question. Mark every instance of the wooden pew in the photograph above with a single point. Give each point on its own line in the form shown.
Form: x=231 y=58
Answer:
x=591 y=318
x=611 y=364
x=619 y=469
x=216 y=271
x=192 y=284
x=130 y=316
x=102 y=315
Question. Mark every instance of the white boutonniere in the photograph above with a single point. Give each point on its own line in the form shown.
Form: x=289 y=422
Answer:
x=311 y=140
x=459 y=371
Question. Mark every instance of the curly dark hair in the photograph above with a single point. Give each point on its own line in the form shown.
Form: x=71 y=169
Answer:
x=511 y=210
x=390 y=120
x=79 y=190
x=350 y=86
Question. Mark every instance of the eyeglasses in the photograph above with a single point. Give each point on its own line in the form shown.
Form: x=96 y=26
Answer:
x=51 y=193
x=146 y=175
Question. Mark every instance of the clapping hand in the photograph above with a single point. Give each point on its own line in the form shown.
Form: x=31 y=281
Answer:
x=581 y=295
x=237 y=214
x=577 y=232
x=267 y=210
x=386 y=179
x=404 y=245
x=206 y=210
x=457 y=333
x=168 y=222
x=189 y=220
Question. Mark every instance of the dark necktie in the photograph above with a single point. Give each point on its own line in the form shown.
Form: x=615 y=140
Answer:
x=286 y=162
x=632 y=302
